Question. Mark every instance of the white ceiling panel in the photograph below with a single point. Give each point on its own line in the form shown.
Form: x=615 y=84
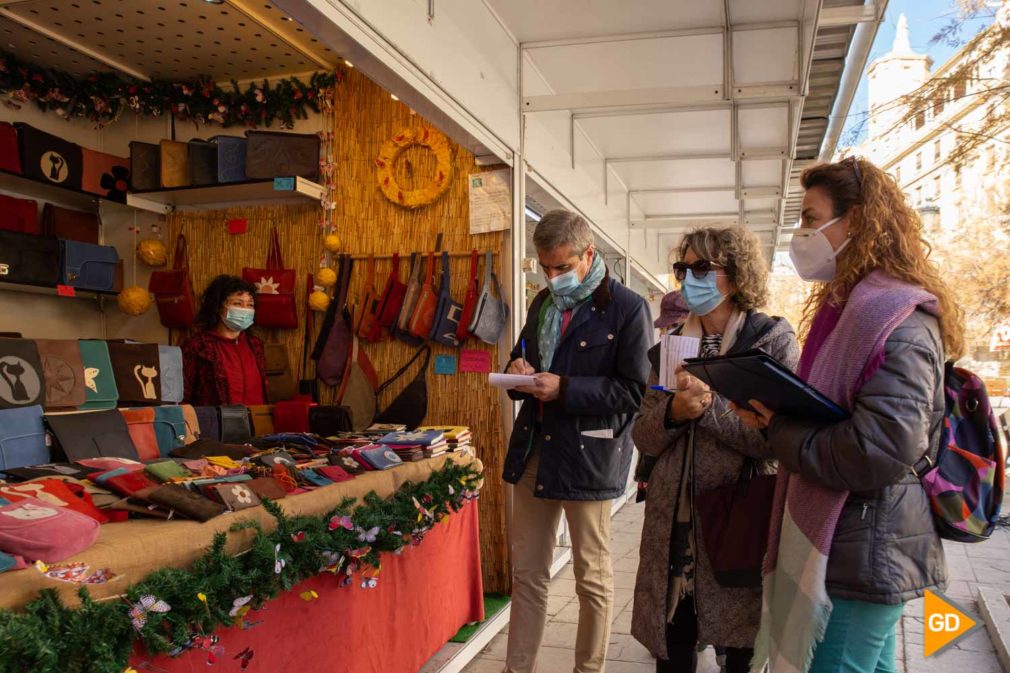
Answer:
x=637 y=64
x=749 y=11
x=764 y=127
x=761 y=56
x=660 y=133
x=751 y=205
x=666 y=174
x=689 y=202
x=763 y=172
x=535 y=20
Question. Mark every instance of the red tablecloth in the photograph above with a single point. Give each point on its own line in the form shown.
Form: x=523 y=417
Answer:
x=422 y=598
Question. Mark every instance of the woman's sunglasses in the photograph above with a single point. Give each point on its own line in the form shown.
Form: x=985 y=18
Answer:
x=698 y=269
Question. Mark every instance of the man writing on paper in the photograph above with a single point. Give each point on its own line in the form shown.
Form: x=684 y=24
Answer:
x=587 y=338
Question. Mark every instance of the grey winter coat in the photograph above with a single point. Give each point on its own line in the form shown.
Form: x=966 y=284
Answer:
x=885 y=549
x=726 y=617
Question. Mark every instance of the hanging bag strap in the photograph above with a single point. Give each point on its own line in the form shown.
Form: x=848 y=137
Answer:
x=344 y=280
x=274 y=258
x=444 y=285
x=181 y=258
x=423 y=350
x=473 y=269
x=429 y=272
x=307 y=339
x=394 y=271
x=488 y=261
x=370 y=280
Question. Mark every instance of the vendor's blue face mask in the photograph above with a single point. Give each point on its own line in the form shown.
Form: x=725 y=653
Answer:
x=701 y=295
x=238 y=318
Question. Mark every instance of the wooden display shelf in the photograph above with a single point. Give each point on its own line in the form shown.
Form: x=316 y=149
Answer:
x=21 y=186
x=210 y=197
x=51 y=291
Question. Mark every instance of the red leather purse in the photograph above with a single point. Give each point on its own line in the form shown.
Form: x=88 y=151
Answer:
x=470 y=303
x=10 y=156
x=390 y=303
x=173 y=290
x=20 y=215
x=275 y=290
x=293 y=415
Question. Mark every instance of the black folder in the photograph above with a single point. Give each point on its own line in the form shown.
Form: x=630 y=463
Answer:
x=755 y=375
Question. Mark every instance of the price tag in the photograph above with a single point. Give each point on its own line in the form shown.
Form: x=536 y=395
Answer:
x=284 y=184
x=237 y=226
x=65 y=291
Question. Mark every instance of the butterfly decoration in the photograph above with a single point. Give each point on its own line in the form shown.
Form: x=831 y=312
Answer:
x=341 y=522
x=309 y=595
x=76 y=573
x=198 y=641
x=146 y=604
x=240 y=606
x=367 y=535
x=279 y=561
x=299 y=536
x=423 y=511
x=244 y=657
x=452 y=491
x=331 y=562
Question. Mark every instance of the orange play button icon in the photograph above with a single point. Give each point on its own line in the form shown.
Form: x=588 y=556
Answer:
x=946 y=623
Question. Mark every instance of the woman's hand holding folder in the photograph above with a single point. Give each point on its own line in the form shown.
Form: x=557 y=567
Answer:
x=692 y=399
x=759 y=419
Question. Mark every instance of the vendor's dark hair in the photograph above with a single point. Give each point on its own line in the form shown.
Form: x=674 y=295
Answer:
x=214 y=297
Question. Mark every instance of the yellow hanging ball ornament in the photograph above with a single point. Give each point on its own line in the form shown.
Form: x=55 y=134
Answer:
x=326 y=277
x=332 y=243
x=134 y=300
x=319 y=301
x=152 y=252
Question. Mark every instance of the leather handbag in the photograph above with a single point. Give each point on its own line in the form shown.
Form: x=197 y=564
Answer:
x=89 y=267
x=105 y=175
x=236 y=496
x=192 y=423
x=230 y=158
x=358 y=392
x=20 y=215
x=447 y=312
x=55 y=492
x=308 y=387
x=22 y=438
x=22 y=382
x=293 y=415
x=262 y=419
x=734 y=522
x=275 y=289
x=411 y=405
x=380 y=457
x=38 y=531
x=470 y=302
x=10 y=155
x=63 y=370
x=99 y=381
x=173 y=290
x=389 y=303
x=235 y=425
x=166 y=470
x=271 y=154
x=209 y=423
x=401 y=329
x=266 y=487
x=492 y=312
x=174 y=164
x=145 y=167
x=48 y=158
x=169 y=428
x=280 y=378
x=427 y=301
x=327 y=421
x=184 y=502
x=364 y=311
x=333 y=347
x=202 y=163
x=170 y=361
x=209 y=447
x=140 y=424
x=93 y=434
x=28 y=259
x=137 y=368
x=70 y=225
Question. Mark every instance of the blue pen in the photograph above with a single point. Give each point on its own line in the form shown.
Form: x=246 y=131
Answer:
x=522 y=344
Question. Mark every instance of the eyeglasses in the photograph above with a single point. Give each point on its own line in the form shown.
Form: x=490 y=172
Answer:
x=698 y=269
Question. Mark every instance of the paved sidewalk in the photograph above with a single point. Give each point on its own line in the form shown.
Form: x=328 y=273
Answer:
x=986 y=564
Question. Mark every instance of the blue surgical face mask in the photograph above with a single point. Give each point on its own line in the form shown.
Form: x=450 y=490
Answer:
x=702 y=296
x=565 y=283
x=239 y=318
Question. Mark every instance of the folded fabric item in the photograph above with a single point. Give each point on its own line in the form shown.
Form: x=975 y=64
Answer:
x=111 y=463
x=202 y=485
x=185 y=502
x=92 y=435
x=208 y=423
x=298 y=438
x=266 y=488
x=275 y=458
x=380 y=457
x=236 y=496
x=197 y=465
x=192 y=423
x=47 y=470
x=53 y=492
x=39 y=531
x=334 y=473
x=348 y=462
x=202 y=448
x=128 y=483
x=140 y=424
x=315 y=478
x=167 y=470
x=169 y=428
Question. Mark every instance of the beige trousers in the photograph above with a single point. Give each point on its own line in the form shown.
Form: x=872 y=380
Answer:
x=534 y=533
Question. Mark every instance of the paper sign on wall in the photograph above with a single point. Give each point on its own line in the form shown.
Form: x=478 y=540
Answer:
x=237 y=226
x=475 y=361
x=445 y=364
x=490 y=201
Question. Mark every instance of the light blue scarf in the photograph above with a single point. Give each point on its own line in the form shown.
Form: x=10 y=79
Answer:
x=556 y=305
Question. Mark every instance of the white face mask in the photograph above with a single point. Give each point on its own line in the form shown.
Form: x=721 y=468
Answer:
x=812 y=253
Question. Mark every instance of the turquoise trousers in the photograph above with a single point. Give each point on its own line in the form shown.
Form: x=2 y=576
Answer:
x=860 y=639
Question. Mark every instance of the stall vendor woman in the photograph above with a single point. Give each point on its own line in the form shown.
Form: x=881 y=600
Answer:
x=224 y=363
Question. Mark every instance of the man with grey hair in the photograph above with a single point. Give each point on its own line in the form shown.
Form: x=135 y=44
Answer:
x=585 y=342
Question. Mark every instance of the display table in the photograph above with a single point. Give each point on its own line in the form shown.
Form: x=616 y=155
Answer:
x=422 y=596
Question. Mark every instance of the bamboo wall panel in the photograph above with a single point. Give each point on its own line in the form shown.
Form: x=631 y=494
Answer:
x=365 y=116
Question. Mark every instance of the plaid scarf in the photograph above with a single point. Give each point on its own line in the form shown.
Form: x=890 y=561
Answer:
x=556 y=305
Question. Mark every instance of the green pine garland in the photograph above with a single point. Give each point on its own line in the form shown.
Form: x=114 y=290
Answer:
x=103 y=97
x=98 y=637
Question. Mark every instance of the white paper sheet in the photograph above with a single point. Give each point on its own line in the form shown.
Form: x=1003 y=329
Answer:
x=674 y=350
x=510 y=381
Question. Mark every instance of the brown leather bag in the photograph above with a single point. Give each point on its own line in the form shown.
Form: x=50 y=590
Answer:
x=71 y=225
x=262 y=419
x=424 y=311
x=364 y=312
x=280 y=378
x=63 y=369
x=174 y=164
x=138 y=372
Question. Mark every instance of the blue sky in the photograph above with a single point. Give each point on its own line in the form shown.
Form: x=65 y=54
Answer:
x=925 y=19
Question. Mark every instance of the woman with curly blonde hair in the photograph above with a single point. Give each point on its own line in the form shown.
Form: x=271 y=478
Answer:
x=852 y=537
x=698 y=446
